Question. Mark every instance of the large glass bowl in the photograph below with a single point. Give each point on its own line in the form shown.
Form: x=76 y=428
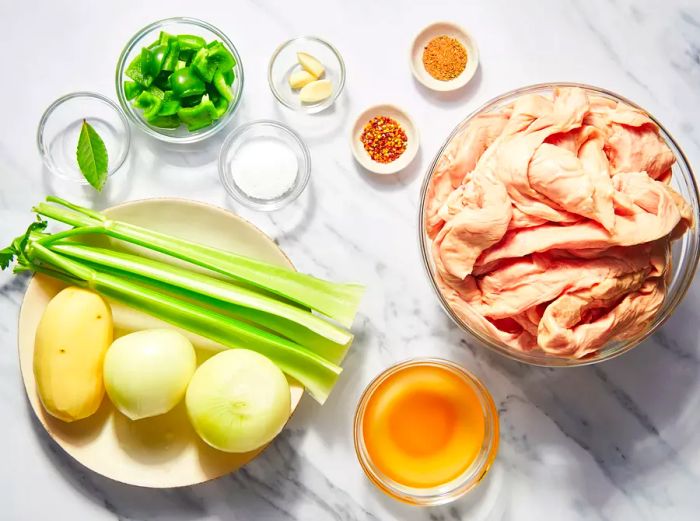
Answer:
x=685 y=250
x=149 y=34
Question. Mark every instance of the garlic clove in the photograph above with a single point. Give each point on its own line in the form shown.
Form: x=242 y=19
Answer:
x=316 y=91
x=300 y=78
x=310 y=64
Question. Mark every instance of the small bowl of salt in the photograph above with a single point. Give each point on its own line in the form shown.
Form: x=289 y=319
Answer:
x=264 y=165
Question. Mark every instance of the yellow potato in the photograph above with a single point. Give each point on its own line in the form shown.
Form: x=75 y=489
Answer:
x=73 y=335
x=310 y=64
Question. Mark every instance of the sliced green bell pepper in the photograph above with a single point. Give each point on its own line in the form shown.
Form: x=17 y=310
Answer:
x=203 y=66
x=190 y=42
x=211 y=59
x=166 y=38
x=132 y=89
x=199 y=116
x=171 y=121
x=141 y=68
x=222 y=87
x=159 y=53
x=172 y=56
x=219 y=53
x=149 y=103
x=221 y=107
x=158 y=93
x=185 y=83
x=169 y=106
x=181 y=79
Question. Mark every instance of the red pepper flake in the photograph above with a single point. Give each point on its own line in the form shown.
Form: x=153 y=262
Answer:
x=384 y=139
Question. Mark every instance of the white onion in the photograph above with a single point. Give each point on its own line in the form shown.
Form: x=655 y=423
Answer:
x=238 y=401
x=146 y=373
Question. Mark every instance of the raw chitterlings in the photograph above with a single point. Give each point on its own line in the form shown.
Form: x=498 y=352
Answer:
x=551 y=222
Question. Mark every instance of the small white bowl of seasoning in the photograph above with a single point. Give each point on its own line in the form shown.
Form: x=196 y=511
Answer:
x=384 y=139
x=264 y=165
x=444 y=57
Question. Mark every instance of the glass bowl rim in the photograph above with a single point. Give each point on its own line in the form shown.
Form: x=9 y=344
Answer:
x=43 y=150
x=462 y=484
x=197 y=135
x=543 y=360
x=312 y=109
x=303 y=175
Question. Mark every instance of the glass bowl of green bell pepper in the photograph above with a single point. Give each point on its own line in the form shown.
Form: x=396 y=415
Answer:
x=180 y=80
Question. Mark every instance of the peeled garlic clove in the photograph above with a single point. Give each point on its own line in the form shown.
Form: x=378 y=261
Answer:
x=316 y=91
x=300 y=78
x=310 y=64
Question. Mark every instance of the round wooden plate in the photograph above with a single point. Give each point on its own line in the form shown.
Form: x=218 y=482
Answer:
x=163 y=451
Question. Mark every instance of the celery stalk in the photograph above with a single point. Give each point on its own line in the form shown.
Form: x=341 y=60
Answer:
x=337 y=301
x=314 y=372
x=200 y=284
x=312 y=341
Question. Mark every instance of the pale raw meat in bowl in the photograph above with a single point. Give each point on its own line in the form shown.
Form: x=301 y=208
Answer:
x=548 y=220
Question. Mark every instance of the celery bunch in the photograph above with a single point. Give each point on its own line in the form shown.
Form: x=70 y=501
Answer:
x=254 y=305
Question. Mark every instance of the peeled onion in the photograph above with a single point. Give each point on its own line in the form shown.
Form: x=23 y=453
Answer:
x=146 y=373
x=238 y=401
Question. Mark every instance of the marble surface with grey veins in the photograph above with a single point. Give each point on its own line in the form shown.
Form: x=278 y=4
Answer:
x=615 y=441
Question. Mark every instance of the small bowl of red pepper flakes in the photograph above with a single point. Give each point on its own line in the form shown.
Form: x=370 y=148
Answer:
x=384 y=139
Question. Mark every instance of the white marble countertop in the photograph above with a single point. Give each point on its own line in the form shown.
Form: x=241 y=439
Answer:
x=616 y=441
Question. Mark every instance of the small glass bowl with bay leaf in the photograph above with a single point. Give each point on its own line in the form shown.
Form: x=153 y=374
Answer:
x=84 y=137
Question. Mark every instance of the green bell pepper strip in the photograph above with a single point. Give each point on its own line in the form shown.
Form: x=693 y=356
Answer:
x=169 y=121
x=141 y=68
x=211 y=59
x=190 y=42
x=159 y=53
x=158 y=93
x=172 y=56
x=132 y=89
x=220 y=54
x=184 y=83
x=199 y=116
x=221 y=106
x=170 y=105
x=166 y=38
x=169 y=108
x=222 y=87
x=149 y=103
x=203 y=66
x=229 y=76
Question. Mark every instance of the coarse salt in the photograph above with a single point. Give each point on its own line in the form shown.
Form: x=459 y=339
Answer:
x=265 y=168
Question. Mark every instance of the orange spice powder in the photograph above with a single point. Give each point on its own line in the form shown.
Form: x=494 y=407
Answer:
x=444 y=58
